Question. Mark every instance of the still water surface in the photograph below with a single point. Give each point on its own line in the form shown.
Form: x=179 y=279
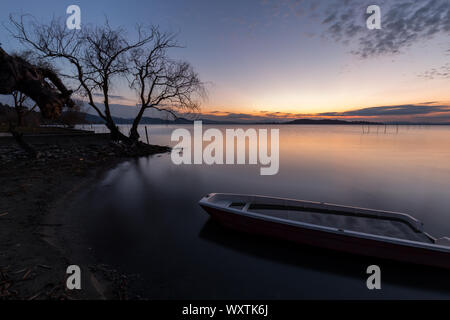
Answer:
x=143 y=215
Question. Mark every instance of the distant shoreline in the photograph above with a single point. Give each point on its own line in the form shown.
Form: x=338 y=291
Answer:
x=347 y=123
x=93 y=119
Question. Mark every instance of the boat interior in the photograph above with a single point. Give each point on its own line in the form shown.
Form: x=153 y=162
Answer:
x=382 y=223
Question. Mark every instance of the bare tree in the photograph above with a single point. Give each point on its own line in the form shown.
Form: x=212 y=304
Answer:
x=97 y=56
x=161 y=83
x=100 y=55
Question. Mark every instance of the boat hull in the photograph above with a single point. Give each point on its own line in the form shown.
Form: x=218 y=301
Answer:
x=334 y=241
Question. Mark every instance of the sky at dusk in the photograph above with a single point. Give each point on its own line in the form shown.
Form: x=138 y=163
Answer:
x=291 y=59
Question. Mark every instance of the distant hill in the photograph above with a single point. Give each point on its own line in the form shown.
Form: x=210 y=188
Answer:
x=94 y=119
x=90 y=118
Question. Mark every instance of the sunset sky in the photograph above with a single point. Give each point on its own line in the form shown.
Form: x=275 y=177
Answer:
x=268 y=59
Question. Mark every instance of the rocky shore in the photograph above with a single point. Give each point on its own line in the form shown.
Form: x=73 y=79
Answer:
x=33 y=190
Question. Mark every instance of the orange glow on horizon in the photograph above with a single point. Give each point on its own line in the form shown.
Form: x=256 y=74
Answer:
x=295 y=115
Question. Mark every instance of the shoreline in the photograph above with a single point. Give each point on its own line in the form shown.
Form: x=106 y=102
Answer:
x=38 y=241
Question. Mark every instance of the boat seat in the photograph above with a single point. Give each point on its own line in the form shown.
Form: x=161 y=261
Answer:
x=444 y=241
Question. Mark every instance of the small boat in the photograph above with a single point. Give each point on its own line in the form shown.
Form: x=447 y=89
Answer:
x=382 y=234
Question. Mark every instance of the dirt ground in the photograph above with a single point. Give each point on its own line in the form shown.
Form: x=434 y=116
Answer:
x=33 y=195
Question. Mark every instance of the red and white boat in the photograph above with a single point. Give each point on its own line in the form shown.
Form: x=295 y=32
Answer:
x=383 y=234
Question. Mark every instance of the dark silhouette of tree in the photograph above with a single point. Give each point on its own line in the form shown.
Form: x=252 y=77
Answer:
x=100 y=55
x=161 y=83
x=97 y=56
x=38 y=82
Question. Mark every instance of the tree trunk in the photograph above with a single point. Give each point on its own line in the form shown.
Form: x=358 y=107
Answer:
x=114 y=131
x=134 y=135
x=20 y=120
x=116 y=135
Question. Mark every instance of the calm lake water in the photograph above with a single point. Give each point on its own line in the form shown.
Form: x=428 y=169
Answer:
x=143 y=215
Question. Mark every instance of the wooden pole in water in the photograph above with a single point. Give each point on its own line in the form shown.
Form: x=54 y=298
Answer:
x=146 y=134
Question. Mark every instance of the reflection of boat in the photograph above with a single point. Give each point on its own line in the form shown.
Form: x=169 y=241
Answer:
x=374 y=233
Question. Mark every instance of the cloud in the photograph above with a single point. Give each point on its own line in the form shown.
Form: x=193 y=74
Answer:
x=235 y=117
x=428 y=112
x=400 y=110
x=403 y=23
x=100 y=95
x=442 y=72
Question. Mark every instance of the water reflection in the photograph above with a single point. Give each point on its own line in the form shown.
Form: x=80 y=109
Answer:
x=144 y=217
